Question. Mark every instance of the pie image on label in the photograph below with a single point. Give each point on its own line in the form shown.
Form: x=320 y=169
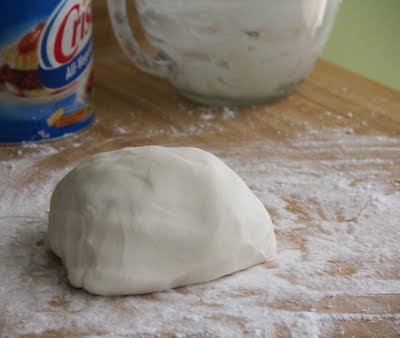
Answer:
x=19 y=71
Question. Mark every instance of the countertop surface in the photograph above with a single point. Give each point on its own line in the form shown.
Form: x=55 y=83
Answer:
x=325 y=162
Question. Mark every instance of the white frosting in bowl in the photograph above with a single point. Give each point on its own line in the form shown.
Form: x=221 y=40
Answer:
x=238 y=50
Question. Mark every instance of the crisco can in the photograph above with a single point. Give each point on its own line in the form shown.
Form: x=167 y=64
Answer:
x=46 y=74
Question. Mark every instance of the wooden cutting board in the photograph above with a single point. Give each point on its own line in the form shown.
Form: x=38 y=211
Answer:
x=325 y=162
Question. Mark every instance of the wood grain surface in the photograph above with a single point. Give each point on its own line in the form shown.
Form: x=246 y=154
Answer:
x=135 y=109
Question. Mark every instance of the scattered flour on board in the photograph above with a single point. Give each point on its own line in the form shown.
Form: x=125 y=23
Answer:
x=336 y=217
x=208 y=119
x=226 y=113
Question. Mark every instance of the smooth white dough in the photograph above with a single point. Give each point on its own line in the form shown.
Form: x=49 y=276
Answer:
x=148 y=219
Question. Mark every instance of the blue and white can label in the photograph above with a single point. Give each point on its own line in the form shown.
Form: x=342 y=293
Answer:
x=46 y=77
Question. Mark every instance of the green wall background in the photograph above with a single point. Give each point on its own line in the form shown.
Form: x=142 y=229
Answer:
x=366 y=39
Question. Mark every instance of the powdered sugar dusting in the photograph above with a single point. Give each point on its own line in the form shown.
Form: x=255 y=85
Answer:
x=336 y=211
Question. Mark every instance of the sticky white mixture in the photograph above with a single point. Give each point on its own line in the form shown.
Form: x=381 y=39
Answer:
x=242 y=50
x=337 y=222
